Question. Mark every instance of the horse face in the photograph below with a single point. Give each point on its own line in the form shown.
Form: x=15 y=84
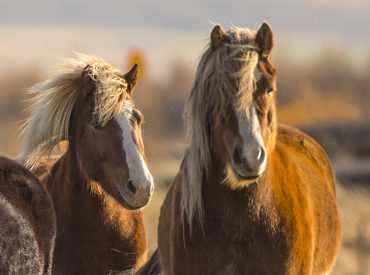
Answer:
x=243 y=140
x=265 y=102
x=138 y=189
x=248 y=152
x=248 y=132
x=113 y=155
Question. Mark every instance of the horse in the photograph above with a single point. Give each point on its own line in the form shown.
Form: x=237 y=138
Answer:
x=252 y=196
x=27 y=218
x=101 y=182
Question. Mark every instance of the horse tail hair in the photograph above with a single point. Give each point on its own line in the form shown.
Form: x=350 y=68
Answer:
x=151 y=267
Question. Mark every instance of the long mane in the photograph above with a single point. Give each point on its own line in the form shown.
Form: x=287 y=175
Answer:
x=219 y=74
x=52 y=102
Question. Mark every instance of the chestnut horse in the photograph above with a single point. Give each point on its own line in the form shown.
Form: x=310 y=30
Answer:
x=103 y=176
x=27 y=222
x=252 y=196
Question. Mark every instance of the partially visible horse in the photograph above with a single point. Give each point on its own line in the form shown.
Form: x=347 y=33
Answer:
x=252 y=196
x=101 y=182
x=27 y=222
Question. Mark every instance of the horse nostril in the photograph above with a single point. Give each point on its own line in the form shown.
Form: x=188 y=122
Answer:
x=238 y=156
x=131 y=187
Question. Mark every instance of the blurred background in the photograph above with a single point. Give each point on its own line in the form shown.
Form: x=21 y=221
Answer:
x=322 y=56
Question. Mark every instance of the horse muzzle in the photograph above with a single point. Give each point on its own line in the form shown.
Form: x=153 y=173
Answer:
x=136 y=194
x=249 y=165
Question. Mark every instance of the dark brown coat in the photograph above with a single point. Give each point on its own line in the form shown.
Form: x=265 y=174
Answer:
x=27 y=222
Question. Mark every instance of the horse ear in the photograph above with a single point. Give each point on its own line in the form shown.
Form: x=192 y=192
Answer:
x=87 y=72
x=131 y=78
x=89 y=78
x=265 y=39
x=218 y=37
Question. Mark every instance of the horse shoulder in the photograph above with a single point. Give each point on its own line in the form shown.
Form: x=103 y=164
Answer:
x=170 y=226
x=308 y=151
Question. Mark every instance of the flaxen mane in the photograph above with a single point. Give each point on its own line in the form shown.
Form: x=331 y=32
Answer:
x=217 y=75
x=52 y=102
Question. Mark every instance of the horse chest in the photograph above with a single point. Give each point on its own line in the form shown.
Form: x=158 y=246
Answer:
x=253 y=249
x=94 y=249
x=258 y=255
x=255 y=254
x=93 y=240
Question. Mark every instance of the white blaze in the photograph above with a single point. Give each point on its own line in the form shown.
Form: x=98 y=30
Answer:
x=250 y=131
x=139 y=172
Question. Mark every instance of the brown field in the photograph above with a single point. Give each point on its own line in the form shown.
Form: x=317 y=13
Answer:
x=326 y=91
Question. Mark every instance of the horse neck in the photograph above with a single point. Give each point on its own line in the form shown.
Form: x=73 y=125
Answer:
x=67 y=182
x=72 y=193
x=236 y=206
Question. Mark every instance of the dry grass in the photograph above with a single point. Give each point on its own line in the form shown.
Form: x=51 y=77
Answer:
x=354 y=257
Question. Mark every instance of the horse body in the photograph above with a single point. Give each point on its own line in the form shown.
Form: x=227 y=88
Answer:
x=99 y=185
x=27 y=231
x=267 y=228
x=251 y=196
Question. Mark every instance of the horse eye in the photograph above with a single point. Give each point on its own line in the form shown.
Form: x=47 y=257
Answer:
x=138 y=117
x=270 y=90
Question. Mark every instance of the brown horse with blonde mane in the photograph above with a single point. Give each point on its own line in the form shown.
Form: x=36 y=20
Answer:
x=252 y=196
x=103 y=176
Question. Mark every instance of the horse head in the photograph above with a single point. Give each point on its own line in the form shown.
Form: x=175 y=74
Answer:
x=91 y=105
x=235 y=91
x=108 y=139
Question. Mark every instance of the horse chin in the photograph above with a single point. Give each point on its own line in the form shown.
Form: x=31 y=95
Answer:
x=125 y=202
x=246 y=178
x=128 y=206
x=241 y=175
x=237 y=180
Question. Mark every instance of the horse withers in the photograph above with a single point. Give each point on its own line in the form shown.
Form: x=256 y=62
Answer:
x=251 y=196
x=27 y=222
x=99 y=185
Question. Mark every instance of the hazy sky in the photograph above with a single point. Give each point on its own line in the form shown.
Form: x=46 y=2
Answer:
x=350 y=18
x=46 y=30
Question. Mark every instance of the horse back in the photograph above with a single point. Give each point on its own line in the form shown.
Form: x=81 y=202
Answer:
x=305 y=148
x=304 y=190
x=27 y=222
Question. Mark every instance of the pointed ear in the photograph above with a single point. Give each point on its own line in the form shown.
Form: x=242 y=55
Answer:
x=89 y=79
x=265 y=39
x=218 y=37
x=88 y=73
x=131 y=78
